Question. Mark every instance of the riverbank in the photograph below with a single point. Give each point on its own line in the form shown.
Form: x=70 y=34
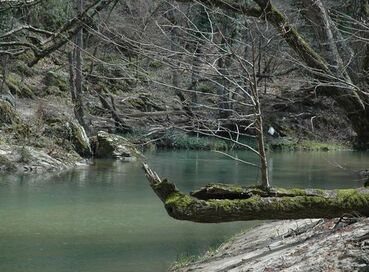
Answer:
x=37 y=114
x=179 y=140
x=295 y=245
x=44 y=136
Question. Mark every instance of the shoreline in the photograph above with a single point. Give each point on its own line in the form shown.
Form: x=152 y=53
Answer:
x=293 y=245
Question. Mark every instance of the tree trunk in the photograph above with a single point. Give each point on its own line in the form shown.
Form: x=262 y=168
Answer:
x=78 y=105
x=261 y=147
x=225 y=203
x=174 y=47
x=224 y=64
x=4 y=64
x=196 y=67
x=316 y=12
x=72 y=85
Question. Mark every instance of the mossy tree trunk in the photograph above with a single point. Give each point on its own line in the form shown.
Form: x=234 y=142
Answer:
x=223 y=203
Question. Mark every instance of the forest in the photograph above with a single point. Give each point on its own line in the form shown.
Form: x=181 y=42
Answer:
x=117 y=117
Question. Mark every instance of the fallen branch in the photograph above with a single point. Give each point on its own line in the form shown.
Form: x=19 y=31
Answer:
x=155 y=113
x=26 y=27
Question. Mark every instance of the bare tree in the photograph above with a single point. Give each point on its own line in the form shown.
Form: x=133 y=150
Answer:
x=237 y=78
x=76 y=77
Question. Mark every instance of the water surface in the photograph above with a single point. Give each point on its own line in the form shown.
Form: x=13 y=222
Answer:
x=106 y=218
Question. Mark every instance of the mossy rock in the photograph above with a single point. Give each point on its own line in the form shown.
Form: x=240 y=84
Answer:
x=57 y=79
x=13 y=79
x=22 y=68
x=19 y=158
x=51 y=114
x=205 y=88
x=18 y=87
x=26 y=56
x=56 y=130
x=21 y=131
x=35 y=88
x=8 y=115
x=26 y=91
x=113 y=146
x=25 y=155
x=7 y=165
x=156 y=64
x=54 y=90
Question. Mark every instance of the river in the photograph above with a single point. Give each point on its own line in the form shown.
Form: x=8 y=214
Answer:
x=106 y=218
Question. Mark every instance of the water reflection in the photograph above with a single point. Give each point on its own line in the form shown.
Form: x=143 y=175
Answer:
x=106 y=218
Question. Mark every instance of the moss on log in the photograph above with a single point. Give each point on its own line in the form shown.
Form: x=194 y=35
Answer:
x=224 y=203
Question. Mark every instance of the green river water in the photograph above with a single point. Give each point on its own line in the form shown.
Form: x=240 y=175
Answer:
x=106 y=218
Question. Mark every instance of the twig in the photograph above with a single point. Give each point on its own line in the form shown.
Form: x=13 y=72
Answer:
x=235 y=158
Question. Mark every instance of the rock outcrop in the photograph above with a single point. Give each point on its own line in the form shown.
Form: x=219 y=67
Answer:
x=19 y=159
x=107 y=146
x=296 y=245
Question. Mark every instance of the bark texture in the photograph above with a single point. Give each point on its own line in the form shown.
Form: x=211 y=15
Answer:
x=224 y=203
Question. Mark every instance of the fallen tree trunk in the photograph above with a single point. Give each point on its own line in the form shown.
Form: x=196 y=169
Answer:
x=224 y=203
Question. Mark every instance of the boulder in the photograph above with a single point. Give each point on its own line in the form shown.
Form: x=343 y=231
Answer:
x=16 y=86
x=8 y=115
x=111 y=146
x=57 y=79
x=15 y=158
